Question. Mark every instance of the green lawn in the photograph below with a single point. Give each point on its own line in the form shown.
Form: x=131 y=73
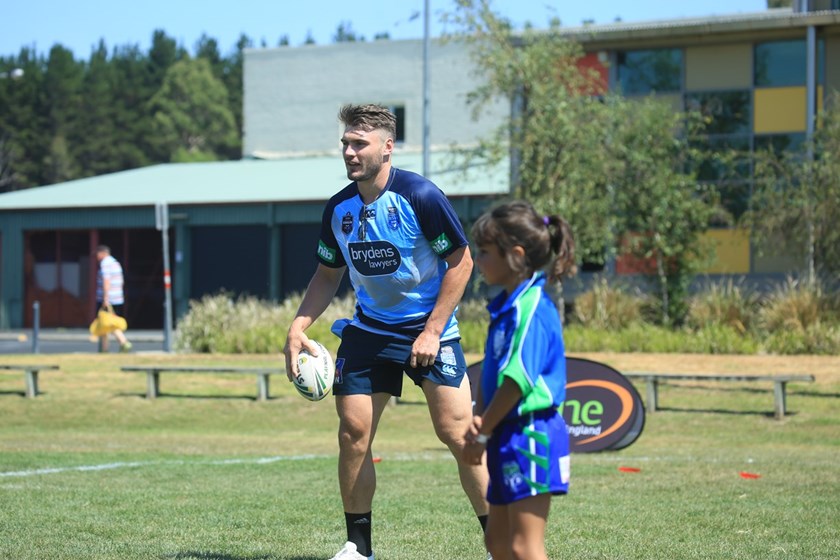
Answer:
x=91 y=469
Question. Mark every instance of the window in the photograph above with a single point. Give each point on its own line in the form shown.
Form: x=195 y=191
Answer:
x=725 y=146
x=399 y=112
x=726 y=112
x=734 y=198
x=724 y=158
x=780 y=143
x=783 y=63
x=643 y=72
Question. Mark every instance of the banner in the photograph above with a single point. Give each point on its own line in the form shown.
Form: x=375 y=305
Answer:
x=603 y=410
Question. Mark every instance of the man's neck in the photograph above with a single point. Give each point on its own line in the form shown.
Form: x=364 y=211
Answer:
x=370 y=190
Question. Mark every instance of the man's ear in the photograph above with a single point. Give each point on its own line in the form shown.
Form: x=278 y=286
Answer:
x=387 y=149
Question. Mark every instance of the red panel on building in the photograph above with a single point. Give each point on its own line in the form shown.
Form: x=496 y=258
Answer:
x=591 y=64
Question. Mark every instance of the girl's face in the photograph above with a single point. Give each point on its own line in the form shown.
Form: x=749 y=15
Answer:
x=494 y=267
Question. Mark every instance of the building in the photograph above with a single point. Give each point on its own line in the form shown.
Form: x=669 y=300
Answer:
x=760 y=77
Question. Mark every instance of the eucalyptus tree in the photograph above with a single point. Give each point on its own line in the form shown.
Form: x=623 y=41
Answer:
x=618 y=170
x=795 y=206
x=556 y=137
x=661 y=208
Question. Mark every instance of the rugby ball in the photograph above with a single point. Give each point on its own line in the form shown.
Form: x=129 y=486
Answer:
x=316 y=373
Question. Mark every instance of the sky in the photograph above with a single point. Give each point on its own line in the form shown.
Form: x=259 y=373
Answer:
x=79 y=25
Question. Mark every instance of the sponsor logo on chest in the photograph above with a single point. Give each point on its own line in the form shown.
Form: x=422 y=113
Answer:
x=374 y=258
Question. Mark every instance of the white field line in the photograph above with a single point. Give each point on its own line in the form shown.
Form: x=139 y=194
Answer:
x=422 y=456
x=135 y=464
x=242 y=461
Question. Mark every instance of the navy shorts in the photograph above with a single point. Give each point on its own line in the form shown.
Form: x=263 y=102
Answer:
x=528 y=457
x=369 y=363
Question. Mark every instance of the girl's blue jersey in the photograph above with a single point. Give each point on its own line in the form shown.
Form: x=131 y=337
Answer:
x=394 y=250
x=525 y=343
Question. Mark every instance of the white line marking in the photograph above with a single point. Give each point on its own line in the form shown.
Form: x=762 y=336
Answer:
x=110 y=466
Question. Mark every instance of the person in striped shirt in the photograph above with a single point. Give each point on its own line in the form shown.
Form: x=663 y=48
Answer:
x=109 y=291
x=523 y=378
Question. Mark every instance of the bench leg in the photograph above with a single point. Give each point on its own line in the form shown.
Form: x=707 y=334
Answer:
x=152 y=384
x=779 y=399
x=652 y=394
x=31 y=382
x=262 y=386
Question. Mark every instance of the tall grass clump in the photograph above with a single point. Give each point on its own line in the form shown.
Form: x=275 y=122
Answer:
x=724 y=304
x=800 y=318
x=222 y=324
x=794 y=305
x=608 y=307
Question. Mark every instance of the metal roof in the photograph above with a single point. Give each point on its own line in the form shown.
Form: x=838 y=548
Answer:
x=243 y=181
x=769 y=20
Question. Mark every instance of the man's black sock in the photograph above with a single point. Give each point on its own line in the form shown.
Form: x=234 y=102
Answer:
x=358 y=531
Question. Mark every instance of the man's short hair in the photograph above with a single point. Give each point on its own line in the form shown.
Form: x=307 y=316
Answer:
x=369 y=117
x=103 y=249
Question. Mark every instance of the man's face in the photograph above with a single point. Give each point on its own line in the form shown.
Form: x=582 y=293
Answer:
x=100 y=255
x=364 y=152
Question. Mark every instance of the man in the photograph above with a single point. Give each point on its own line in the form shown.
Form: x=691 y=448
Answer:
x=109 y=291
x=409 y=262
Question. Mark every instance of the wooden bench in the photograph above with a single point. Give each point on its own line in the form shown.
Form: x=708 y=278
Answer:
x=153 y=376
x=780 y=382
x=30 y=373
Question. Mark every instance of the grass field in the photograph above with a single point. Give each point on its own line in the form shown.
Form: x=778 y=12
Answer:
x=92 y=470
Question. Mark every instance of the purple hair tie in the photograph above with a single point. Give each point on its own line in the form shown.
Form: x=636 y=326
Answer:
x=546 y=220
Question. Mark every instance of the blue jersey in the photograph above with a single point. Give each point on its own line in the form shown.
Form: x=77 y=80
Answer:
x=394 y=249
x=525 y=344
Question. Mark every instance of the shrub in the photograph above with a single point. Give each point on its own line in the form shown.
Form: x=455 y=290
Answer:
x=721 y=339
x=247 y=325
x=608 y=307
x=642 y=337
x=724 y=304
x=794 y=306
x=795 y=319
x=818 y=338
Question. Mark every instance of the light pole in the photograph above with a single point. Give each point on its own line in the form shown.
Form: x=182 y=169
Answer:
x=426 y=141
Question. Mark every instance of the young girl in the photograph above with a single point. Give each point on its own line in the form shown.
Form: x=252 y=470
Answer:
x=523 y=377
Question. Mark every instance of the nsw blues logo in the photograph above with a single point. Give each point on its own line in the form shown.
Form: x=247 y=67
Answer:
x=393 y=218
x=347 y=224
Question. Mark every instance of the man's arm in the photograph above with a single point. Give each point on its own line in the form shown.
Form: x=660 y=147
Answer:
x=106 y=284
x=452 y=287
x=320 y=292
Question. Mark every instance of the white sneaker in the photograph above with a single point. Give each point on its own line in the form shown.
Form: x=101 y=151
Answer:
x=349 y=552
x=489 y=556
